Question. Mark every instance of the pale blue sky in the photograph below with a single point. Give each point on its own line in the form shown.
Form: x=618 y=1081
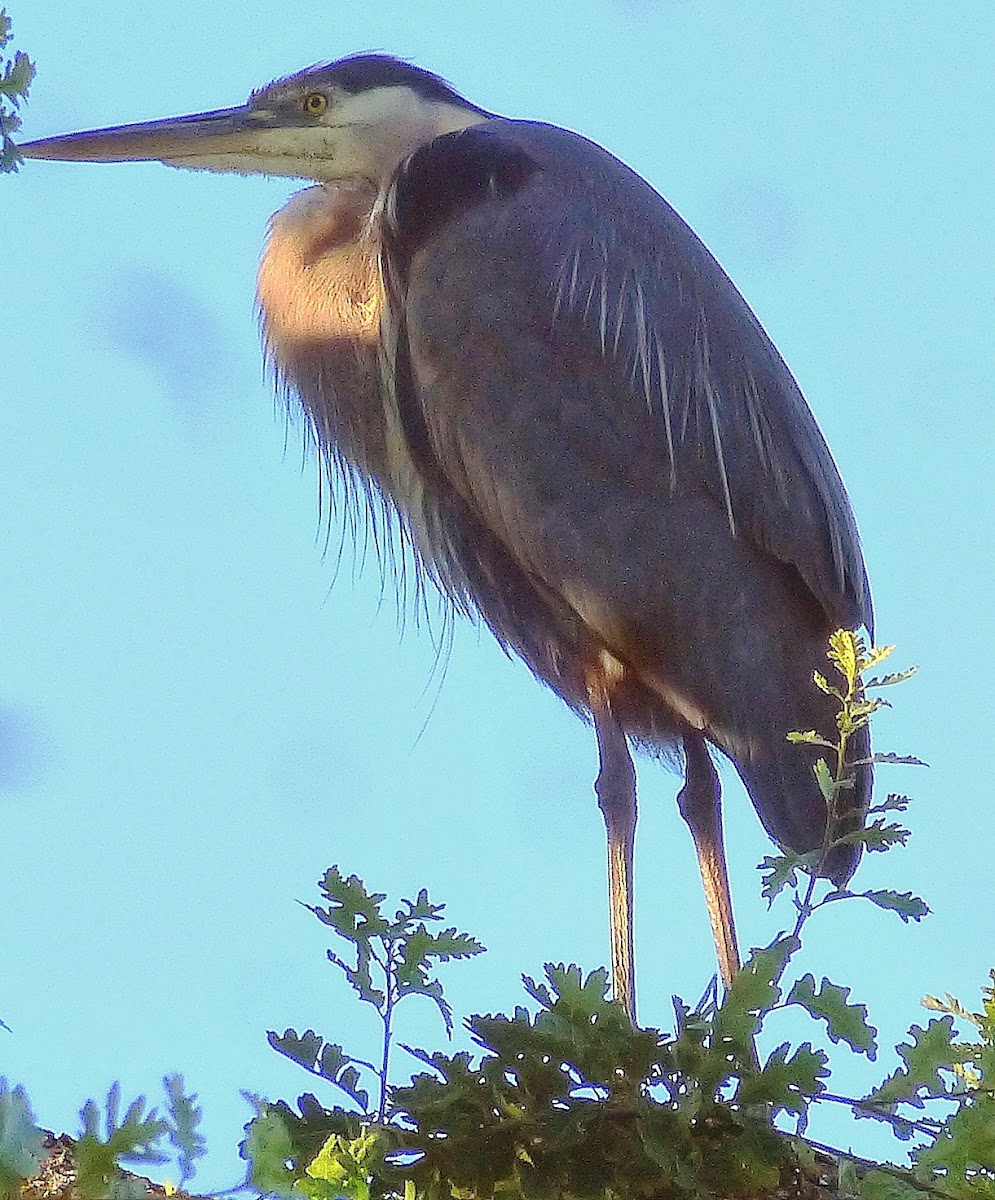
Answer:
x=195 y=722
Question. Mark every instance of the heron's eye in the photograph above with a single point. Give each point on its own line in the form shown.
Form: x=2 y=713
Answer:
x=315 y=104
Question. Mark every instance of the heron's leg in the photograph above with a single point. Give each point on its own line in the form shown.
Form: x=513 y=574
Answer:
x=616 y=792
x=700 y=802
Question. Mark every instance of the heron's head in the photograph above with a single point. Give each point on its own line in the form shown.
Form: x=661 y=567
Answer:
x=352 y=120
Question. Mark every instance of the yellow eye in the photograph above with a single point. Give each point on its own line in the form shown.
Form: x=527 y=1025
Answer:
x=315 y=104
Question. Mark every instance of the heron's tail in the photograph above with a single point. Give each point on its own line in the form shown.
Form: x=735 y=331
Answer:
x=787 y=797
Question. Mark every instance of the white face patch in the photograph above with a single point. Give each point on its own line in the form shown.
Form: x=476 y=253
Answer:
x=375 y=130
x=361 y=136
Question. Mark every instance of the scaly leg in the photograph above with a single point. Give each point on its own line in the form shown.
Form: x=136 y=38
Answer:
x=700 y=802
x=616 y=792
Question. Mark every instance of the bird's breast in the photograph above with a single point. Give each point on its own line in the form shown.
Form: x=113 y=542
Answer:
x=322 y=307
x=319 y=279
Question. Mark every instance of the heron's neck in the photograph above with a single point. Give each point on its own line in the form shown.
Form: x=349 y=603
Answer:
x=318 y=278
x=320 y=296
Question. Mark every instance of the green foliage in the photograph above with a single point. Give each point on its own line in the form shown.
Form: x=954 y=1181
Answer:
x=16 y=74
x=182 y=1121
x=787 y=1082
x=393 y=958
x=402 y=948
x=777 y=872
x=324 y=1059
x=845 y=1022
x=753 y=994
x=959 y=1151
x=566 y=1098
x=575 y=1101
x=930 y=1050
x=957 y=1158
x=908 y=907
x=133 y=1139
x=887 y=1185
x=280 y=1142
x=343 y=1168
x=21 y=1141
x=570 y=1099
x=852 y=659
x=106 y=1141
x=798 y=874
x=271 y=1150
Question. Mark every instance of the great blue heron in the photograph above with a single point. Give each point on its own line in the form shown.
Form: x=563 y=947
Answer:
x=513 y=343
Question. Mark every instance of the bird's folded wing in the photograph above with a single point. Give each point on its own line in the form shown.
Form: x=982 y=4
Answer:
x=571 y=359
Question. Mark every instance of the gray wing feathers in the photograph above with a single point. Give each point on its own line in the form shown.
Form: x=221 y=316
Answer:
x=610 y=273
x=632 y=275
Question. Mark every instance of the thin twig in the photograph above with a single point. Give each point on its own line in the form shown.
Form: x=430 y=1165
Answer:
x=902 y=1173
x=921 y=1124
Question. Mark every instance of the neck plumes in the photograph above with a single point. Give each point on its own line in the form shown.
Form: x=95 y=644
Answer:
x=319 y=277
x=320 y=296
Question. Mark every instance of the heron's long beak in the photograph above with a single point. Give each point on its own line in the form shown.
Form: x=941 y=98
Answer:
x=247 y=140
